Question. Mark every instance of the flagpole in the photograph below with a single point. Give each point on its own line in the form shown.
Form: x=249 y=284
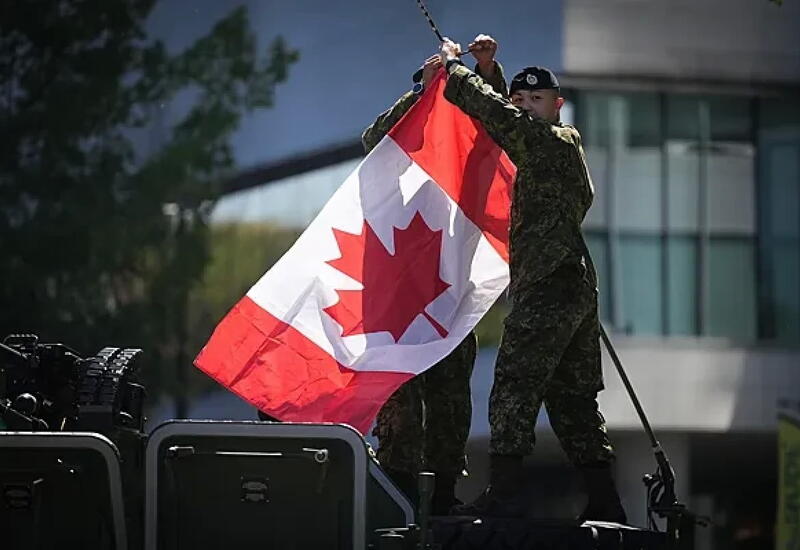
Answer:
x=434 y=27
x=418 y=74
x=662 y=499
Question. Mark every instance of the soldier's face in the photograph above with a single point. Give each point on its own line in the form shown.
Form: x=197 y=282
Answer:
x=545 y=104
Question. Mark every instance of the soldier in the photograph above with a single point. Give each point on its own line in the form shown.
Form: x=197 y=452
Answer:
x=424 y=425
x=550 y=351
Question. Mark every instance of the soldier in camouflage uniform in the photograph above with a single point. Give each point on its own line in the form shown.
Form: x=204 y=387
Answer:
x=425 y=424
x=550 y=351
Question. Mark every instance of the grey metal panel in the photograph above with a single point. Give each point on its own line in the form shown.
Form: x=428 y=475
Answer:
x=401 y=500
x=728 y=40
x=214 y=428
x=81 y=440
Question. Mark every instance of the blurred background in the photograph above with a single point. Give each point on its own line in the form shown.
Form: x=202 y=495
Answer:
x=159 y=155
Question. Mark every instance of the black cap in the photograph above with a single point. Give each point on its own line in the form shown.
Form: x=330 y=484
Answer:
x=534 y=78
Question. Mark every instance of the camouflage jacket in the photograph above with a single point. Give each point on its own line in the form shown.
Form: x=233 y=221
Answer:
x=552 y=191
x=387 y=119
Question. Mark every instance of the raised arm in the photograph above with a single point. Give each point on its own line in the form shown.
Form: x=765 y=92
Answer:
x=484 y=49
x=509 y=126
x=494 y=78
x=386 y=120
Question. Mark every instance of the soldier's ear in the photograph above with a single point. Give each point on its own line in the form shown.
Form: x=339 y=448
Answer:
x=559 y=102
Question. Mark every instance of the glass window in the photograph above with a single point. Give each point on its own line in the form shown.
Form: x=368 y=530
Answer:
x=593 y=124
x=640 y=259
x=783 y=299
x=730 y=165
x=781 y=172
x=731 y=119
x=697 y=152
x=568 y=112
x=597 y=160
x=683 y=186
x=710 y=161
x=711 y=199
x=594 y=119
x=682 y=285
x=622 y=137
x=731 y=288
x=684 y=163
x=637 y=190
x=731 y=188
x=779 y=199
x=644 y=128
x=683 y=121
x=636 y=162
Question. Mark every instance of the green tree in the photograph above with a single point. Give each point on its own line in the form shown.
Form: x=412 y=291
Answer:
x=240 y=253
x=490 y=328
x=89 y=257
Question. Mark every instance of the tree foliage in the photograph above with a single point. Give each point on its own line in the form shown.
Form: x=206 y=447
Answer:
x=104 y=234
x=240 y=253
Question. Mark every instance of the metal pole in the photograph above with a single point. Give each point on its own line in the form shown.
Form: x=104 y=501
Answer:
x=179 y=327
x=629 y=387
x=667 y=504
x=433 y=25
x=430 y=20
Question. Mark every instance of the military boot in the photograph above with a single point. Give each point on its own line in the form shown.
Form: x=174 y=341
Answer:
x=604 y=503
x=505 y=496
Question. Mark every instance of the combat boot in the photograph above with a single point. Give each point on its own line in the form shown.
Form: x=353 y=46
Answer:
x=604 y=503
x=505 y=495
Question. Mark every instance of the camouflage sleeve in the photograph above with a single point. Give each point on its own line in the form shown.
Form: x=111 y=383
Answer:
x=510 y=127
x=386 y=120
x=497 y=81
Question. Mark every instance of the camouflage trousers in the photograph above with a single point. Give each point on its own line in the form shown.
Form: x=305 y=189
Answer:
x=550 y=352
x=424 y=425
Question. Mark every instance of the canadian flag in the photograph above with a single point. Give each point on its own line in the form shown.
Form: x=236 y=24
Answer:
x=397 y=268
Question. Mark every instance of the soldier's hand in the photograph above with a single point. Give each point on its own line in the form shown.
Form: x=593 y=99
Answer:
x=450 y=50
x=483 y=49
x=430 y=68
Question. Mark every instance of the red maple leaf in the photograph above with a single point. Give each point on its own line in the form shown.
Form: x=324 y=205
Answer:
x=397 y=287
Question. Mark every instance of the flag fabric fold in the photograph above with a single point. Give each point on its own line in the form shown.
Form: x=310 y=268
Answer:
x=395 y=270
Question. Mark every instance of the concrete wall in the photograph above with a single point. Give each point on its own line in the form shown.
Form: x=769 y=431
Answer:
x=687 y=385
x=701 y=385
x=742 y=40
